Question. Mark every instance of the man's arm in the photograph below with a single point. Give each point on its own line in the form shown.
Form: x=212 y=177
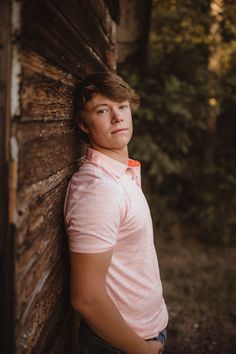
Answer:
x=89 y=297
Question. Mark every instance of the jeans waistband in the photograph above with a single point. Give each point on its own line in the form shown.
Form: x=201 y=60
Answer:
x=90 y=342
x=161 y=337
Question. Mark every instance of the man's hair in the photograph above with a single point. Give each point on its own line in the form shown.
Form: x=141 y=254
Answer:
x=107 y=84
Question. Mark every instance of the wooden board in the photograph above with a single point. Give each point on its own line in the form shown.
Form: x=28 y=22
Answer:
x=49 y=31
x=54 y=46
x=7 y=230
x=51 y=147
x=46 y=91
x=40 y=311
x=48 y=151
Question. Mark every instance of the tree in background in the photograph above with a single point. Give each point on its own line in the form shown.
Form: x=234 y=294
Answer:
x=184 y=105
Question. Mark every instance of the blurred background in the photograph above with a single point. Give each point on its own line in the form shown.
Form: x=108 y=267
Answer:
x=180 y=56
x=185 y=136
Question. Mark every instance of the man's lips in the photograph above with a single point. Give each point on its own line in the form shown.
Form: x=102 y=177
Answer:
x=119 y=130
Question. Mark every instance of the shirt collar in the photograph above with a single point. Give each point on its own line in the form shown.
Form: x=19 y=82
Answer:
x=113 y=166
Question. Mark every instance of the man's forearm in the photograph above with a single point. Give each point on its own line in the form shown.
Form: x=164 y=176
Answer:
x=104 y=318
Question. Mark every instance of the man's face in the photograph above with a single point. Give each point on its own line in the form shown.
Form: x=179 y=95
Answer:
x=108 y=123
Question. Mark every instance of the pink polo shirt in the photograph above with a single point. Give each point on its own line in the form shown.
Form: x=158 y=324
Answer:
x=105 y=209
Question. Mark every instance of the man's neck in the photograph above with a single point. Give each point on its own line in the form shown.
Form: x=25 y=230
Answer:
x=121 y=156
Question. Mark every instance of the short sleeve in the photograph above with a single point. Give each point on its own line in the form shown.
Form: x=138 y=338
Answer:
x=93 y=214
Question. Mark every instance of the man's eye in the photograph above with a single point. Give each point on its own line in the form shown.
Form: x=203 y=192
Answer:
x=101 y=111
x=123 y=106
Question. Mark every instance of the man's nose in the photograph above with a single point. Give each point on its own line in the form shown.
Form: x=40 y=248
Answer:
x=116 y=116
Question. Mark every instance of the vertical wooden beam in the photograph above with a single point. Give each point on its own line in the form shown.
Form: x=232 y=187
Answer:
x=133 y=30
x=6 y=230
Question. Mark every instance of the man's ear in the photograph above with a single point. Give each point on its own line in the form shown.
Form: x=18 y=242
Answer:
x=83 y=126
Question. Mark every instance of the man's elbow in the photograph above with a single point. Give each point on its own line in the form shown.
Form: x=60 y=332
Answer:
x=79 y=303
x=85 y=304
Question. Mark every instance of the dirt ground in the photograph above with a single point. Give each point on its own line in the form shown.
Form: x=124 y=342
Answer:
x=199 y=283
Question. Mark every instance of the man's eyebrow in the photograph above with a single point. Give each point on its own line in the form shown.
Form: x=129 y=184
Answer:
x=100 y=104
x=97 y=105
x=107 y=104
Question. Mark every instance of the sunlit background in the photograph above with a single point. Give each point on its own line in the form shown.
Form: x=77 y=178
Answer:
x=185 y=136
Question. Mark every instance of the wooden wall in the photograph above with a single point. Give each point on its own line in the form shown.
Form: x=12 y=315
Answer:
x=54 y=44
x=133 y=31
x=6 y=242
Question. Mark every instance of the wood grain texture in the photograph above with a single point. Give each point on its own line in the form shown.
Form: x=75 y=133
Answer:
x=47 y=31
x=89 y=23
x=40 y=311
x=46 y=91
x=59 y=43
x=45 y=149
x=47 y=153
x=43 y=251
x=34 y=193
x=63 y=332
x=7 y=246
x=48 y=150
x=42 y=245
x=38 y=64
x=44 y=98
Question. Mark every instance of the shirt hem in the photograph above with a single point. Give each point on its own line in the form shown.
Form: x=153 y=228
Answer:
x=79 y=250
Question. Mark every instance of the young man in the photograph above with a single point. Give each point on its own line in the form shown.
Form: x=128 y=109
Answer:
x=115 y=281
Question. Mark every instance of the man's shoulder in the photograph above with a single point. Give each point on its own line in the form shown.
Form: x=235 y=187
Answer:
x=90 y=176
x=88 y=169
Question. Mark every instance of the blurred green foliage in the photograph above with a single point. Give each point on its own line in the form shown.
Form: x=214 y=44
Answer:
x=185 y=128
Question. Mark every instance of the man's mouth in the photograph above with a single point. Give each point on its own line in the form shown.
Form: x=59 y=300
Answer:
x=119 y=130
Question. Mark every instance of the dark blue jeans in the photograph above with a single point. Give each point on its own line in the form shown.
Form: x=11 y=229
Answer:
x=91 y=343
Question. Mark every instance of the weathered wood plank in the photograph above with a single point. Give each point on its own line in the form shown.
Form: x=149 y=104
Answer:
x=4 y=108
x=48 y=253
x=101 y=14
x=38 y=219
x=7 y=230
x=40 y=244
x=31 y=195
x=46 y=92
x=38 y=64
x=41 y=309
x=61 y=332
x=45 y=149
x=88 y=24
x=43 y=253
x=56 y=39
x=44 y=99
